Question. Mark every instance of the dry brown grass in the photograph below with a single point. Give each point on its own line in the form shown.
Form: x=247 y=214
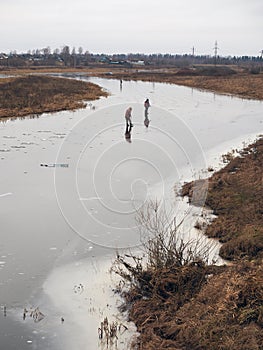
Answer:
x=241 y=84
x=217 y=79
x=32 y=94
x=235 y=194
x=227 y=313
x=199 y=307
x=224 y=313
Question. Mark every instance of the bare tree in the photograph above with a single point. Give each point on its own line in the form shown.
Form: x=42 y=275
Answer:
x=65 y=54
x=74 y=57
x=46 y=51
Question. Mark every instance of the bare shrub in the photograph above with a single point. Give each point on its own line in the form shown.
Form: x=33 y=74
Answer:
x=167 y=274
x=167 y=264
x=164 y=246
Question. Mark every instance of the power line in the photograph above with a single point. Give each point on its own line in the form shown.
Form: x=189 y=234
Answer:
x=216 y=48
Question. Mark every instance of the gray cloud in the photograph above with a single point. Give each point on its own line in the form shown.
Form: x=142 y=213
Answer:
x=137 y=26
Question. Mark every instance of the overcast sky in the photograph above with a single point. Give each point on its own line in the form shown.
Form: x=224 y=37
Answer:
x=145 y=26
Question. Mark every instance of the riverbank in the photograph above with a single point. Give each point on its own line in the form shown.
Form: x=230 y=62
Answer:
x=35 y=95
x=237 y=83
x=212 y=317
x=235 y=194
x=234 y=80
x=194 y=306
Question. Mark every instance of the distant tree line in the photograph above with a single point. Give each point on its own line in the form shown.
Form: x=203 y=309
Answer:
x=79 y=58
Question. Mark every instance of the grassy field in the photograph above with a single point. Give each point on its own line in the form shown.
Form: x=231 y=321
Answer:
x=32 y=94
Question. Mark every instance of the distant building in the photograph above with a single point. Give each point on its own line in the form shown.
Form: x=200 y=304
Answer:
x=3 y=56
x=137 y=63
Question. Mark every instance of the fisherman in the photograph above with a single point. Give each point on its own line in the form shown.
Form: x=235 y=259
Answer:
x=146 y=105
x=128 y=117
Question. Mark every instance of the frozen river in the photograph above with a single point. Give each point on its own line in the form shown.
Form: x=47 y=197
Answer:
x=61 y=225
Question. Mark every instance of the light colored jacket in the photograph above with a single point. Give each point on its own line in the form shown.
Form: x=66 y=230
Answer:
x=128 y=113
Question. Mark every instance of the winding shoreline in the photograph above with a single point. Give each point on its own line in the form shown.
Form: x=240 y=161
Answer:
x=218 y=285
x=36 y=94
x=240 y=83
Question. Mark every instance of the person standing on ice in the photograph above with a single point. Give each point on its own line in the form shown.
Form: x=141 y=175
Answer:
x=146 y=105
x=128 y=117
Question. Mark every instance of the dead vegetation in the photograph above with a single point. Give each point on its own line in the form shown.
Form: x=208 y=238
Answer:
x=235 y=194
x=157 y=285
x=194 y=306
x=231 y=81
x=216 y=310
x=32 y=94
x=109 y=333
x=175 y=299
x=226 y=313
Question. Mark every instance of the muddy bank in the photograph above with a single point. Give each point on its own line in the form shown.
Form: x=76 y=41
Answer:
x=28 y=95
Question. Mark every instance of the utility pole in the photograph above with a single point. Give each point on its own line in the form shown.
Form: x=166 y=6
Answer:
x=215 y=50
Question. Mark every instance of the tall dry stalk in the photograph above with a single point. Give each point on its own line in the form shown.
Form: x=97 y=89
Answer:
x=163 y=245
x=162 y=248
